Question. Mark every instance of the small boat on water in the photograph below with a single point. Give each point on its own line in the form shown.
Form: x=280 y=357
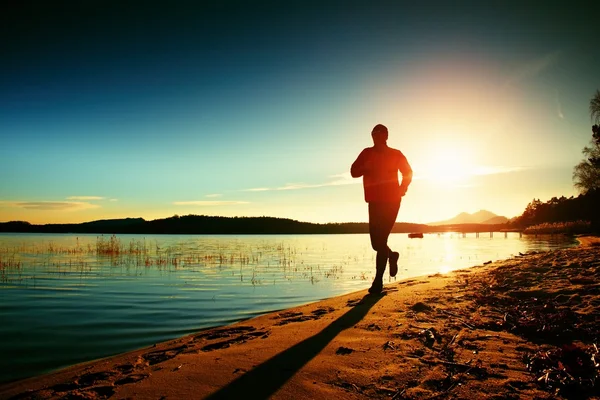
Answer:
x=415 y=235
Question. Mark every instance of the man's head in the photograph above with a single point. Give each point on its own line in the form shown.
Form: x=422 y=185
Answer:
x=379 y=134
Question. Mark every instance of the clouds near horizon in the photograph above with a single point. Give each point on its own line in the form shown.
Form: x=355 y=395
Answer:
x=49 y=205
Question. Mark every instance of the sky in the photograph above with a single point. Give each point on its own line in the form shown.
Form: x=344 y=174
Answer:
x=141 y=109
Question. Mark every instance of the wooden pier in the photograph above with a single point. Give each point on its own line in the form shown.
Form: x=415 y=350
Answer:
x=479 y=233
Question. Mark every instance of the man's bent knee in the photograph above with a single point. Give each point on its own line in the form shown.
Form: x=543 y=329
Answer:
x=379 y=246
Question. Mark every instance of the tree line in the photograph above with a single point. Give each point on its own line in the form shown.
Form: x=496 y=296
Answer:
x=201 y=224
x=584 y=207
x=586 y=179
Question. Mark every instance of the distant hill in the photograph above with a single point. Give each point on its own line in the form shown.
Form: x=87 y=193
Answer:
x=480 y=217
x=203 y=224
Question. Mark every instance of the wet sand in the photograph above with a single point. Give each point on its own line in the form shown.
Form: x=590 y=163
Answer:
x=504 y=330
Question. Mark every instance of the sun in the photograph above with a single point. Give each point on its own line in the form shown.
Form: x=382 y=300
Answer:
x=448 y=165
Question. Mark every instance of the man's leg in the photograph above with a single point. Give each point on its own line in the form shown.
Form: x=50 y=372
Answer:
x=389 y=219
x=377 y=232
x=393 y=257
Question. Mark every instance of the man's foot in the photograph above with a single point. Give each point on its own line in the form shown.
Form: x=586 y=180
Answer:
x=376 y=287
x=394 y=256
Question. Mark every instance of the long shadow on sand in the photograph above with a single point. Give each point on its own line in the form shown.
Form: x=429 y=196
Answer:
x=264 y=380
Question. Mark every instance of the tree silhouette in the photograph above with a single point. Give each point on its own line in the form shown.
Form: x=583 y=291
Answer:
x=586 y=174
x=595 y=107
x=560 y=210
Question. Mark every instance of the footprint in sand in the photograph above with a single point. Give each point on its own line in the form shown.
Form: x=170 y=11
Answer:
x=87 y=386
x=125 y=368
x=322 y=311
x=73 y=390
x=299 y=318
x=159 y=356
x=410 y=282
x=223 y=333
x=97 y=392
x=133 y=378
x=373 y=327
x=290 y=317
x=244 y=337
x=93 y=378
x=421 y=308
x=342 y=351
x=288 y=314
x=65 y=387
x=353 y=303
x=103 y=391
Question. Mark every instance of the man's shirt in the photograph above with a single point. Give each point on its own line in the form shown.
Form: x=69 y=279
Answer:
x=379 y=168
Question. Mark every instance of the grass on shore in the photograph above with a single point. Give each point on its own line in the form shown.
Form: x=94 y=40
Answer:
x=115 y=252
x=568 y=228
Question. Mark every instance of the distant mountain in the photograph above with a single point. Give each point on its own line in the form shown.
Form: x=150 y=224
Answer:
x=480 y=217
x=497 y=220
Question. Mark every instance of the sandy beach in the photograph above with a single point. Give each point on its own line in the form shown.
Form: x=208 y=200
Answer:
x=522 y=328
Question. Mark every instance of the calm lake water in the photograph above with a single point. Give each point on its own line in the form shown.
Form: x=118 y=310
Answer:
x=66 y=299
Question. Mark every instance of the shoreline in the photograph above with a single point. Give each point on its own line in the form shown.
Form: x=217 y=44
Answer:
x=586 y=241
x=438 y=335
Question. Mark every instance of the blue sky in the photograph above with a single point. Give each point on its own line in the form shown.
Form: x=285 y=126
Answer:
x=111 y=110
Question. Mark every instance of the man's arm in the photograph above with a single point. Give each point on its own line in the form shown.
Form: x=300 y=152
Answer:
x=407 y=173
x=359 y=167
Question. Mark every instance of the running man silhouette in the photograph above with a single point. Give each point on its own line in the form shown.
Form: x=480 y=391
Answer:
x=379 y=166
